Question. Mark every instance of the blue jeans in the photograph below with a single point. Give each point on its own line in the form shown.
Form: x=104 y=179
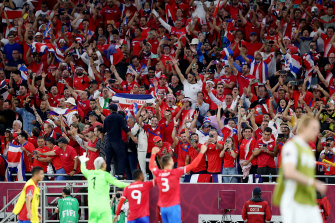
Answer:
x=60 y=171
x=140 y=220
x=229 y=171
x=171 y=214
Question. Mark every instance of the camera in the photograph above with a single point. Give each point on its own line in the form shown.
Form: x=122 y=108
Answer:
x=211 y=136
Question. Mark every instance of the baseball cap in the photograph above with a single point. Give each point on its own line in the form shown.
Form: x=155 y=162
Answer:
x=38 y=34
x=163 y=76
x=194 y=41
x=71 y=101
x=157 y=139
x=180 y=92
x=253 y=34
x=206 y=124
x=257 y=191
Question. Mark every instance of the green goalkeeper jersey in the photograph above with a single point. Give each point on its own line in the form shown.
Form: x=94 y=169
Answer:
x=98 y=188
x=68 y=210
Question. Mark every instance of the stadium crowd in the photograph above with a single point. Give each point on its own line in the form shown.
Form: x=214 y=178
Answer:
x=233 y=75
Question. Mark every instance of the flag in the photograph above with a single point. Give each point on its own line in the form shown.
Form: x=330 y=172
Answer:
x=197 y=178
x=295 y=64
x=114 y=54
x=15 y=163
x=217 y=178
x=216 y=9
x=11 y=14
x=47 y=30
x=131 y=103
x=24 y=72
x=225 y=53
x=43 y=47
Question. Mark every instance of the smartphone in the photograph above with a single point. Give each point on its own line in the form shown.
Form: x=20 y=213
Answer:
x=293 y=83
x=280 y=136
x=240 y=43
x=34 y=152
x=149 y=104
x=264 y=21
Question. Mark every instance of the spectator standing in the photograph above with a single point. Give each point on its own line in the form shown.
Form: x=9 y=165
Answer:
x=67 y=207
x=256 y=210
x=229 y=155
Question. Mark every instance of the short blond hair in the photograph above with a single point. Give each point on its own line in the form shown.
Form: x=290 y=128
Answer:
x=304 y=121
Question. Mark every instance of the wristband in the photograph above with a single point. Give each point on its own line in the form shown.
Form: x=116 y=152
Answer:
x=74 y=170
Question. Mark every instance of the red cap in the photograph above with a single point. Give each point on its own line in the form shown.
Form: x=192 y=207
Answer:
x=163 y=76
x=157 y=139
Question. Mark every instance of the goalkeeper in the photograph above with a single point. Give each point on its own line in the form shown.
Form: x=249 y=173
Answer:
x=98 y=190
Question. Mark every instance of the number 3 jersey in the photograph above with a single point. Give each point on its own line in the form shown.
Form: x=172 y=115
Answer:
x=168 y=182
x=137 y=194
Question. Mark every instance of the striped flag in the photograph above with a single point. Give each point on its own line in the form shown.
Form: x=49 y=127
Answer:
x=11 y=14
x=197 y=178
x=15 y=163
x=131 y=103
x=47 y=30
x=43 y=47
x=24 y=72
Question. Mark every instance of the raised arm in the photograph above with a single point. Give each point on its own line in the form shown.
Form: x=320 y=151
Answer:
x=197 y=160
x=180 y=75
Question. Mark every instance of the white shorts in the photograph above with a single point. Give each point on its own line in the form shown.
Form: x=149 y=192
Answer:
x=292 y=212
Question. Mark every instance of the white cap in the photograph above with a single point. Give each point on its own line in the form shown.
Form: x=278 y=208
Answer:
x=71 y=101
x=38 y=34
x=195 y=41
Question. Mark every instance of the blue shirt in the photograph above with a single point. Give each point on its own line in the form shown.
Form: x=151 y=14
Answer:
x=27 y=118
x=8 y=49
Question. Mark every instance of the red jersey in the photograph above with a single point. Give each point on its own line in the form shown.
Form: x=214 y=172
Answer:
x=81 y=82
x=256 y=212
x=324 y=206
x=23 y=213
x=264 y=159
x=136 y=44
x=182 y=151
x=151 y=133
x=227 y=80
x=178 y=32
x=165 y=149
x=246 y=148
x=213 y=158
x=168 y=181
x=137 y=194
x=83 y=105
x=44 y=165
x=193 y=153
x=92 y=155
x=67 y=157
x=56 y=161
x=167 y=130
x=28 y=164
x=228 y=160
x=54 y=100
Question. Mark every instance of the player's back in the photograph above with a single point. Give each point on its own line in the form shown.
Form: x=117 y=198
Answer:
x=68 y=210
x=137 y=194
x=168 y=182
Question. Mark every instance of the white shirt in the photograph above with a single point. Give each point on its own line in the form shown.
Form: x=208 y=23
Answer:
x=191 y=90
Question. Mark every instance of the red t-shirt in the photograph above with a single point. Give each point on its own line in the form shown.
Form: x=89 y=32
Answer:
x=56 y=160
x=227 y=80
x=137 y=194
x=167 y=130
x=136 y=44
x=182 y=151
x=228 y=160
x=44 y=165
x=213 y=158
x=83 y=105
x=193 y=153
x=253 y=47
x=151 y=133
x=67 y=157
x=264 y=159
x=54 y=100
x=168 y=182
x=28 y=164
x=23 y=213
x=81 y=83
x=92 y=155
x=246 y=148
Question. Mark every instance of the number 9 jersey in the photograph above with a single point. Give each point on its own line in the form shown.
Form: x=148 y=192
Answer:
x=137 y=194
x=168 y=182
